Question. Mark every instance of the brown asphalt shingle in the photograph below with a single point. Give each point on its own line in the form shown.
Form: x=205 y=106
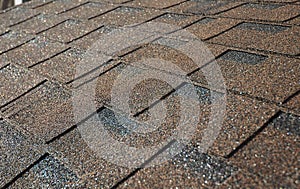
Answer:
x=255 y=44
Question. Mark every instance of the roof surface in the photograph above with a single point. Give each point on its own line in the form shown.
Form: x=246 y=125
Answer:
x=256 y=45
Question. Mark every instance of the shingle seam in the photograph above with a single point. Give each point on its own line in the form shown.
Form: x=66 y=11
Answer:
x=23 y=94
x=292 y=19
x=173 y=5
x=267 y=52
x=73 y=8
x=41 y=4
x=206 y=39
x=23 y=20
x=40 y=62
x=50 y=27
x=111 y=10
x=16 y=46
x=159 y=100
x=255 y=21
x=206 y=64
x=290 y=97
x=8 y=184
x=73 y=127
x=84 y=34
x=250 y=138
x=102 y=73
x=144 y=164
x=228 y=9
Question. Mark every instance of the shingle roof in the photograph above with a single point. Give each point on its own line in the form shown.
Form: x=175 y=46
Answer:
x=255 y=45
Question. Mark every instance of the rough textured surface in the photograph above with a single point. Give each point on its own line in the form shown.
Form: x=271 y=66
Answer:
x=60 y=6
x=11 y=40
x=16 y=16
x=88 y=10
x=205 y=7
x=258 y=156
x=18 y=150
x=48 y=55
x=243 y=57
x=198 y=169
x=61 y=67
x=287 y=123
x=15 y=82
x=294 y=104
x=44 y=112
x=234 y=129
x=210 y=27
x=93 y=171
x=39 y=23
x=35 y=51
x=178 y=20
x=266 y=12
x=249 y=78
x=48 y=173
x=156 y=3
x=74 y=29
x=126 y=16
x=267 y=37
x=88 y=40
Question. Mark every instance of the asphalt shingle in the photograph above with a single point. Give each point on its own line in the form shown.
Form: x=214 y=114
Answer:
x=243 y=36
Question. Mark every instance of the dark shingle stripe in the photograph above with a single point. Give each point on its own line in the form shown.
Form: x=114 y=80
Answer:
x=111 y=123
x=51 y=172
x=200 y=164
x=205 y=5
x=263 y=6
x=174 y=16
x=243 y=57
x=262 y=27
x=205 y=20
x=287 y=122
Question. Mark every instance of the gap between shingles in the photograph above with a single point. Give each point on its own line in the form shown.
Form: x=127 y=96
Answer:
x=43 y=4
x=250 y=138
x=266 y=52
x=7 y=185
x=17 y=45
x=40 y=62
x=25 y=93
x=143 y=164
x=291 y=96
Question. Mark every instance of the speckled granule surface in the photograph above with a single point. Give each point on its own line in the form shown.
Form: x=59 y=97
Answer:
x=256 y=47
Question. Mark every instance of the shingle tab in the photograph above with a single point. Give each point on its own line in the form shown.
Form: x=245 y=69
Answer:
x=73 y=29
x=15 y=82
x=59 y=6
x=11 y=40
x=268 y=147
x=17 y=151
x=34 y=52
x=279 y=39
x=189 y=169
x=38 y=23
x=127 y=16
x=16 y=15
x=259 y=12
x=61 y=67
x=87 y=11
x=48 y=173
x=45 y=112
